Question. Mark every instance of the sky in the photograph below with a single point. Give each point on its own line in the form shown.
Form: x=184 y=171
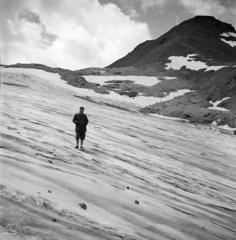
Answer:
x=76 y=34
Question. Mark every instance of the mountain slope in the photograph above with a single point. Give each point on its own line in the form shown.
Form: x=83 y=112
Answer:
x=141 y=177
x=198 y=55
x=200 y=35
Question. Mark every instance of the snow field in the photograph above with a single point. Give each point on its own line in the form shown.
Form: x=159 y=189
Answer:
x=182 y=175
x=112 y=97
x=142 y=80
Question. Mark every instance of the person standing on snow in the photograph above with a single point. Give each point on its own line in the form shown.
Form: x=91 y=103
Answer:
x=80 y=120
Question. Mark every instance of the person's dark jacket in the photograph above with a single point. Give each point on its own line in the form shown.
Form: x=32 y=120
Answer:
x=80 y=120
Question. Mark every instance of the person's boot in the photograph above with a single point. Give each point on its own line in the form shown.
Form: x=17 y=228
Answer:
x=77 y=147
x=82 y=148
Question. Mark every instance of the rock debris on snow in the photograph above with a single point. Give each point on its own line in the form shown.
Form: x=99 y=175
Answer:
x=83 y=205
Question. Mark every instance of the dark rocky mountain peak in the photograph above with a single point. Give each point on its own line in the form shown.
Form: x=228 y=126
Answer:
x=201 y=35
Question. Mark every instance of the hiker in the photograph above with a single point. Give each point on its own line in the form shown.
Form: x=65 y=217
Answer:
x=80 y=120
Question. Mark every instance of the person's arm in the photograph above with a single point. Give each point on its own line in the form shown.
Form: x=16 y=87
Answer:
x=74 y=119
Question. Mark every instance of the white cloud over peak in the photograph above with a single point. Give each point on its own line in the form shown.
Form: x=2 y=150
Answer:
x=145 y=4
x=204 y=7
x=67 y=33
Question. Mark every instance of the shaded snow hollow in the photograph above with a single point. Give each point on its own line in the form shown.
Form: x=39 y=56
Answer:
x=177 y=62
x=182 y=176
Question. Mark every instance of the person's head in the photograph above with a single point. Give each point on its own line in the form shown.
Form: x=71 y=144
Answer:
x=81 y=109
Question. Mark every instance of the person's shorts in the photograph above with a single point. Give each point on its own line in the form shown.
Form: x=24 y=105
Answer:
x=80 y=134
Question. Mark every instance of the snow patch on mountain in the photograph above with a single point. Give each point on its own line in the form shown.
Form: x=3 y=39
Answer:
x=111 y=98
x=216 y=103
x=177 y=62
x=214 y=68
x=142 y=80
x=143 y=101
x=228 y=34
x=169 y=78
x=231 y=43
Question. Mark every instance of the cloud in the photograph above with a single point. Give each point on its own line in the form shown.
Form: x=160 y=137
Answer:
x=29 y=16
x=146 y=4
x=224 y=10
x=204 y=7
x=26 y=16
x=67 y=33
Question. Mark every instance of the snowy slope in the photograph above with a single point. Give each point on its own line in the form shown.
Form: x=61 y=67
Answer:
x=132 y=103
x=182 y=175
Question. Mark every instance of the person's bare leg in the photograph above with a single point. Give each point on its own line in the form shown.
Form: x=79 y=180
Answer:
x=77 y=143
x=81 y=144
